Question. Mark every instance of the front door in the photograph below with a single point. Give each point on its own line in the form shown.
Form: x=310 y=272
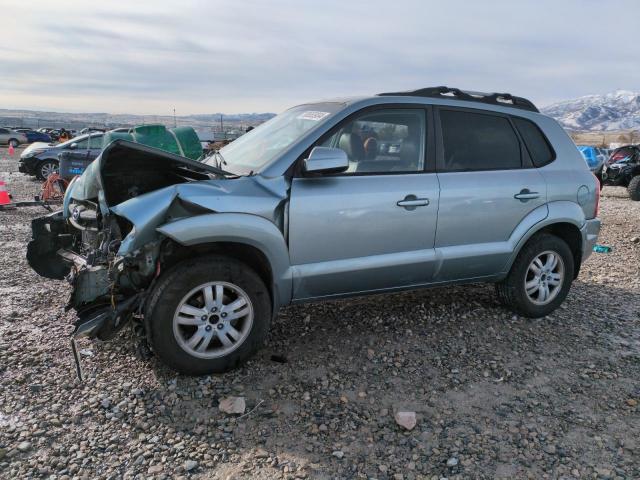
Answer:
x=372 y=227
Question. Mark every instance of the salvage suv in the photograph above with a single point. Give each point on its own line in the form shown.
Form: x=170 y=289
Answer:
x=397 y=191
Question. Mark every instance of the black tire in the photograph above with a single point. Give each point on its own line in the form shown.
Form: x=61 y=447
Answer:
x=511 y=291
x=41 y=169
x=14 y=143
x=634 y=188
x=180 y=280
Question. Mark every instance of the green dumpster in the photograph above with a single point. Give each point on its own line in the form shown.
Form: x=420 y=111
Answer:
x=182 y=141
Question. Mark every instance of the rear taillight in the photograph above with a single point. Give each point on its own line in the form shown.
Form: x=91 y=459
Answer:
x=597 y=209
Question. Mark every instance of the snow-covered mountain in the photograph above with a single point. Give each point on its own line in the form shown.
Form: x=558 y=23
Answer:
x=619 y=110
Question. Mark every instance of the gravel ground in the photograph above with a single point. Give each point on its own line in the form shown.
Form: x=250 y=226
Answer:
x=495 y=395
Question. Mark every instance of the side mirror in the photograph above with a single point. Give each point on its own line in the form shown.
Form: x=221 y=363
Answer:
x=326 y=160
x=73 y=146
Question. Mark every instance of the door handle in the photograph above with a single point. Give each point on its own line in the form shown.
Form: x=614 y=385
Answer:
x=525 y=194
x=410 y=202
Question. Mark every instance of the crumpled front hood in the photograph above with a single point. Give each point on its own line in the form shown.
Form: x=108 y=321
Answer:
x=122 y=157
x=168 y=187
x=252 y=195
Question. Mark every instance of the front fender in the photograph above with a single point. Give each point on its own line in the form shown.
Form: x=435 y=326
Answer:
x=243 y=228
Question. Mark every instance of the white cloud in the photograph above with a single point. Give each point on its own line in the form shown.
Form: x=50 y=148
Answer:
x=203 y=56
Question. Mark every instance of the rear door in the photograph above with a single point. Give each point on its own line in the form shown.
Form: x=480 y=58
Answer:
x=488 y=185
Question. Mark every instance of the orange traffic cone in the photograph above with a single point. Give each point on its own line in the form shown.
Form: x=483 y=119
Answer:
x=5 y=199
x=11 y=149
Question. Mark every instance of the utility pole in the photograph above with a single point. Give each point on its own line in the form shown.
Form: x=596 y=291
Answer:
x=175 y=123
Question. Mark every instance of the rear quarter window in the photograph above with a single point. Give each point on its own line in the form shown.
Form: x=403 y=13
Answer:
x=537 y=144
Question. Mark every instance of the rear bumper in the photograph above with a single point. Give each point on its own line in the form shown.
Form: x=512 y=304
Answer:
x=589 y=231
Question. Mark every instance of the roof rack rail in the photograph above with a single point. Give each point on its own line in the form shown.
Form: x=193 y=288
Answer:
x=501 y=99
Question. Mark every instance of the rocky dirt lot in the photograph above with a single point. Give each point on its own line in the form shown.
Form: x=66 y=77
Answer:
x=495 y=395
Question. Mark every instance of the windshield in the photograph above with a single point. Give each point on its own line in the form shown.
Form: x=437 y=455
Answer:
x=257 y=148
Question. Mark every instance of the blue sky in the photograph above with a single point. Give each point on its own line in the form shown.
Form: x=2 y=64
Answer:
x=253 y=56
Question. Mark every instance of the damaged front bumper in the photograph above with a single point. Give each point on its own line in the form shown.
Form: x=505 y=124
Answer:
x=107 y=289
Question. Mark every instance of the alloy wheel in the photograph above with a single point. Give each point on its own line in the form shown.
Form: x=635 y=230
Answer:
x=213 y=319
x=544 y=278
x=47 y=169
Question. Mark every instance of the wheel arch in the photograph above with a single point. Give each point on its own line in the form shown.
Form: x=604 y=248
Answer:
x=47 y=159
x=564 y=220
x=173 y=253
x=248 y=238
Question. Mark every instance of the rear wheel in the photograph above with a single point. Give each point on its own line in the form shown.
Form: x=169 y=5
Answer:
x=14 y=143
x=634 y=188
x=208 y=315
x=540 y=277
x=46 y=168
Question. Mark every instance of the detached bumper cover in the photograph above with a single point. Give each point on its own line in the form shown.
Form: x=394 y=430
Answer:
x=589 y=231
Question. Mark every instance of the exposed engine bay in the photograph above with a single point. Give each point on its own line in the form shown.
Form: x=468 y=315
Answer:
x=82 y=242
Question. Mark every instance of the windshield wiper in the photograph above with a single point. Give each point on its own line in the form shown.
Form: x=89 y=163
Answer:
x=218 y=161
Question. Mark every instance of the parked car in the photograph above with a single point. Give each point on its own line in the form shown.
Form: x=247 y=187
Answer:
x=591 y=156
x=41 y=159
x=623 y=170
x=308 y=207
x=55 y=134
x=12 y=137
x=595 y=157
x=35 y=136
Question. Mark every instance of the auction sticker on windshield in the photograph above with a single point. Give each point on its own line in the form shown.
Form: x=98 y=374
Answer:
x=311 y=115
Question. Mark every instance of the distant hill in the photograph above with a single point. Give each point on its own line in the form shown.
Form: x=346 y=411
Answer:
x=32 y=118
x=619 y=110
x=615 y=111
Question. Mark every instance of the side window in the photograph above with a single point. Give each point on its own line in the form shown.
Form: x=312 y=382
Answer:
x=477 y=141
x=83 y=144
x=537 y=144
x=382 y=141
x=95 y=141
x=4 y=130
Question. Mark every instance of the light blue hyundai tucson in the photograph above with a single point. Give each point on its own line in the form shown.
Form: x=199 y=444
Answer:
x=332 y=199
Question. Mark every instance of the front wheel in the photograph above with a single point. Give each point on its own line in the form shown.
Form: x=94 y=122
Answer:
x=208 y=315
x=14 y=143
x=540 y=277
x=46 y=168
